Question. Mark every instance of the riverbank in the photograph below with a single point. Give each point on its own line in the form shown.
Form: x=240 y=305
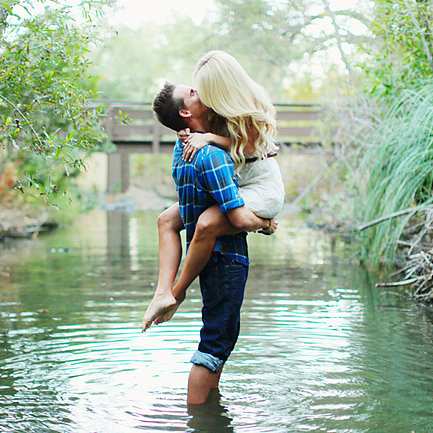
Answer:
x=20 y=221
x=152 y=188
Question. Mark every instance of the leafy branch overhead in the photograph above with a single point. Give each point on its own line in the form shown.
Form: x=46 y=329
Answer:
x=45 y=128
x=284 y=33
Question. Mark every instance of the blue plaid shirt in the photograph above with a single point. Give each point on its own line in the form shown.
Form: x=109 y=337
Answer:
x=207 y=180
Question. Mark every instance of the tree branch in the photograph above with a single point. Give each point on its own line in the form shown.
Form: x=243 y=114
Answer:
x=394 y=215
x=24 y=117
x=398 y=283
x=338 y=37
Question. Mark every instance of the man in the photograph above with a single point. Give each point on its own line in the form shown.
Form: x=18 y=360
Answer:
x=208 y=180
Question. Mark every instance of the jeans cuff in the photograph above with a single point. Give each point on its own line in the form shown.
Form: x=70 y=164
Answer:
x=207 y=360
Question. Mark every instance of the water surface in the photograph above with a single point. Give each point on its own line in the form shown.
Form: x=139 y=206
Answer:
x=321 y=349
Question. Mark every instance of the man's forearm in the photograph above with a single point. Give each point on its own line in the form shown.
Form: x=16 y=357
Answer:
x=246 y=220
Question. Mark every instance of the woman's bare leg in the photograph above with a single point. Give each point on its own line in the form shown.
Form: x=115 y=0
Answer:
x=211 y=224
x=169 y=256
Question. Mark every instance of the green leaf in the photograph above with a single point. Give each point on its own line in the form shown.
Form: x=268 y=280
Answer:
x=6 y=6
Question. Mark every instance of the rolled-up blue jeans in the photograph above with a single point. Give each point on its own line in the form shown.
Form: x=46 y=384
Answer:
x=222 y=285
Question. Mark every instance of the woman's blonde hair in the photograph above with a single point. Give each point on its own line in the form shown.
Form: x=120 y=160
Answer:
x=225 y=87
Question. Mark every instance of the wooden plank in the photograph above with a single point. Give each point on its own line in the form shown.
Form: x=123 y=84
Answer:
x=297 y=115
x=297 y=131
x=166 y=131
x=117 y=131
x=167 y=146
x=125 y=173
x=129 y=147
x=156 y=136
x=114 y=173
x=118 y=172
x=145 y=134
x=133 y=114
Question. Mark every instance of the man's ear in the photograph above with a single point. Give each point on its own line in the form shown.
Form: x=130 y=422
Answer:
x=184 y=113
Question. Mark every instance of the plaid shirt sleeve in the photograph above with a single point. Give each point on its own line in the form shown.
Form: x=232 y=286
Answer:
x=219 y=179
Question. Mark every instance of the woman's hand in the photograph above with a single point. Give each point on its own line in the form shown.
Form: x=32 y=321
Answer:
x=183 y=135
x=193 y=144
x=273 y=225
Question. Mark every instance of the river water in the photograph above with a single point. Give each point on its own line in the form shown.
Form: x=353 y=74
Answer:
x=321 y=349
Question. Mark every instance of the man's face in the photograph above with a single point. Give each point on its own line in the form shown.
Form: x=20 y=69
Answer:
x=190 y=99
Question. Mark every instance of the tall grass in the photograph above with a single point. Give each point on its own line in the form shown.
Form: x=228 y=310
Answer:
x=395 y=169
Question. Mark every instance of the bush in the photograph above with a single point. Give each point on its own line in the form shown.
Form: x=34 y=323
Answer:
x=45 y=127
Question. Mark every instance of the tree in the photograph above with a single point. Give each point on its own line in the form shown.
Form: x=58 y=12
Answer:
x=283 y=41
x=45 y=124
x=133 y=63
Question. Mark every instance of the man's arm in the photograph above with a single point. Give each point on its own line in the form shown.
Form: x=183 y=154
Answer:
x=245 y=220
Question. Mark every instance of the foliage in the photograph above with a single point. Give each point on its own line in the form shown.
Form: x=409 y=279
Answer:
x=278 y=44
x=391 y=125
x=395 y=169
x=45 y=127
x=402 y=53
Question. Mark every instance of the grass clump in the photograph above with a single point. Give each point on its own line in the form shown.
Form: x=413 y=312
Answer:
x=395 y=170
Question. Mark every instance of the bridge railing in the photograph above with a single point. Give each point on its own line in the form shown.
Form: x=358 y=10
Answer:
x=134 y=129
x=298 y=124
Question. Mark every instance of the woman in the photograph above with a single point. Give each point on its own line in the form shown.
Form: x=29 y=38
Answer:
x=243 y=118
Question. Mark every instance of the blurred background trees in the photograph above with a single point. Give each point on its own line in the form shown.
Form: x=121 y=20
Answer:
x=284 y=46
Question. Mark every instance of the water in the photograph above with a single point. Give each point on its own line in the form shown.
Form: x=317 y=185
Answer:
x=321 y=349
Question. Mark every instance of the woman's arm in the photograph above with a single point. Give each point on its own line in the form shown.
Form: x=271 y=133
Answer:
x=197 y=140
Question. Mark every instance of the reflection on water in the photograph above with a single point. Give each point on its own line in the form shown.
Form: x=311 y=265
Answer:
x=320 y=350
x=211 y=416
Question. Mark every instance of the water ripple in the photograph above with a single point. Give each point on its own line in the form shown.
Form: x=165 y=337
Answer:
x=320 y=349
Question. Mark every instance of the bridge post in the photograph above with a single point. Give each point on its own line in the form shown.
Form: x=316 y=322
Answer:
x=156 y=135
x=118 y=161
x=118 y=171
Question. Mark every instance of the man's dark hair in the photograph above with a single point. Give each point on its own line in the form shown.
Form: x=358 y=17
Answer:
x=166 y=108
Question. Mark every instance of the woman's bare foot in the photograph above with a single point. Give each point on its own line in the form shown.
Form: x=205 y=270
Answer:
x=160 y=305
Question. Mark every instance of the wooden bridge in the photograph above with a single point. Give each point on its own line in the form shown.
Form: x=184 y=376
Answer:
x=134 y=129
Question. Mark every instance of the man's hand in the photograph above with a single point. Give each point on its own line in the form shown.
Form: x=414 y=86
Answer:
x=247 y=221
x=273 y=225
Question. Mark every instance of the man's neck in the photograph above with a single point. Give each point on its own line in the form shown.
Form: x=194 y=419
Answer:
x=198 y=124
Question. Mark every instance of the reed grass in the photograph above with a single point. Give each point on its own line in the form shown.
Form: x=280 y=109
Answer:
x=395 y=169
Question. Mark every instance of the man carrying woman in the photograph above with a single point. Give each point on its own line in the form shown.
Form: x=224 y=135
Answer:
x=241 y=121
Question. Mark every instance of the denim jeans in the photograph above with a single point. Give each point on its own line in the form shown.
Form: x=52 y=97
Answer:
x=222 y=285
